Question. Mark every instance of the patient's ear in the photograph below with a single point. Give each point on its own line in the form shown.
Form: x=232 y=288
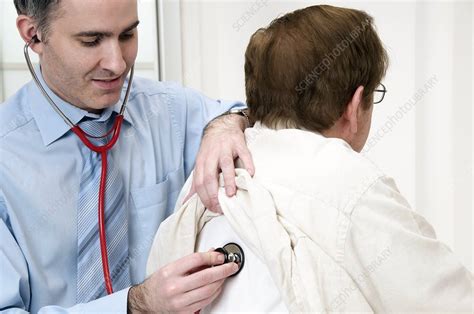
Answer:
x=351 y=114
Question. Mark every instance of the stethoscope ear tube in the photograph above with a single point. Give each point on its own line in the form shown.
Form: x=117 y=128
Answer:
x=38 y=83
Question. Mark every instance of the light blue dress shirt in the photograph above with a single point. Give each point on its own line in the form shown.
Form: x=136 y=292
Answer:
x=41 y=163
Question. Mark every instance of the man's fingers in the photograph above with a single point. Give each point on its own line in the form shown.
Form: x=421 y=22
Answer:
x=199 y=268
x=206 y=183
x=193 y=308
x=246 y=157
x=211 y=186
x=199 y=294
x=209 y=275
x=198 y=183
x=186 y=264
x=228 y=171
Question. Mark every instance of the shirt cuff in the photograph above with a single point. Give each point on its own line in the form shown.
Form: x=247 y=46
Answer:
x=113 y=303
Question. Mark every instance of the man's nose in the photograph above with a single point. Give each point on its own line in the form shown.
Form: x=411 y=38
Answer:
x=112 y=59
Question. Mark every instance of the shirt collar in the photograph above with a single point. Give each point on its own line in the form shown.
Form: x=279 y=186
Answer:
x=50 y=123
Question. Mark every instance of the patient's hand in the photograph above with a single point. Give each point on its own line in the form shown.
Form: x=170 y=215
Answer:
x=222 y=143
x=186 y=285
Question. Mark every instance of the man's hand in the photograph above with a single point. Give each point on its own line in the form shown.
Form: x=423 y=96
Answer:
x=186 y=285
x=222 y=143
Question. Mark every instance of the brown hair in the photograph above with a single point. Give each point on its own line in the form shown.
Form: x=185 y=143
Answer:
x=302 y=70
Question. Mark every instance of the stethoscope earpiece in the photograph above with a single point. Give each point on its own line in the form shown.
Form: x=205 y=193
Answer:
x=233 y=253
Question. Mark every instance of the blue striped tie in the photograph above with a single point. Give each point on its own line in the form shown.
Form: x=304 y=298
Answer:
x=90 y=278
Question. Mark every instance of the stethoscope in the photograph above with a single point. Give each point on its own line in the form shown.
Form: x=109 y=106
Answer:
x=102 y=150
x=233 y=253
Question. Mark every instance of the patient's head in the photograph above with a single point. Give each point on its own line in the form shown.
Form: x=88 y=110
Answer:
x=316 y=69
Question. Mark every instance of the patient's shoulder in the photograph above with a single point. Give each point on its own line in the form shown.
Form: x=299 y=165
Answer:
x=311 y=164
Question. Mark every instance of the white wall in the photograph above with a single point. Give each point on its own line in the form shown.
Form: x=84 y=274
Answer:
x=13 y=70
x=426 y=145
x=444 y=138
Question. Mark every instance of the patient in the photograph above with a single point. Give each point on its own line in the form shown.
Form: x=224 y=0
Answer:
x=322 y=228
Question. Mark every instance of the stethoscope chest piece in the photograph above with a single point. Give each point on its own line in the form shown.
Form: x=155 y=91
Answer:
x=233 y=253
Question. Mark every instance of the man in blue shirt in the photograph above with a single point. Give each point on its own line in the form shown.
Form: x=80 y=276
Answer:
x=49 y=256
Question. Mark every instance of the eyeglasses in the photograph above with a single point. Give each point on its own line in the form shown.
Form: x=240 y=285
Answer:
x=379 y=93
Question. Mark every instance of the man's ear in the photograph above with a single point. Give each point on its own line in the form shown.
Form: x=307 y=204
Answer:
x=27 y=28
x=351 y=114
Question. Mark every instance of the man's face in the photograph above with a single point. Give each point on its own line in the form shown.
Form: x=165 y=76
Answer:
x=89 y=51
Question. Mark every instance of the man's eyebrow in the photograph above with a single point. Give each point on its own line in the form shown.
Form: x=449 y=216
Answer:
x=105 y=34
x=134 y=25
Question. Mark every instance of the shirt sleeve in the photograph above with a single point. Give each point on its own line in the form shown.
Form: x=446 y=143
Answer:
x=114 y=303
x=14 y=281
x=396 y=261
x=200 y=110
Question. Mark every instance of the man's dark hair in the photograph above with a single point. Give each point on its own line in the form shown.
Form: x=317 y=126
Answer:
x=302 y=70
x=42 y=11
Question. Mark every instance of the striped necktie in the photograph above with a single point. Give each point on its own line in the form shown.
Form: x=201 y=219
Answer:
x=90 y=278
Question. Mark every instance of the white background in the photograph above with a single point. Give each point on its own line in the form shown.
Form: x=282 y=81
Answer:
x=428 y=151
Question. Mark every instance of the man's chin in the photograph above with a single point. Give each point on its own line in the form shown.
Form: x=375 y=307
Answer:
x=109 y=100
x=99 y=106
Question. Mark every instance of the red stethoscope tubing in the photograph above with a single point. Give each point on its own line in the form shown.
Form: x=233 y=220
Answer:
x=102 y=150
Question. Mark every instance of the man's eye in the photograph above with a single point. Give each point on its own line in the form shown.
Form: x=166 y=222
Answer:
x=127 y=36
x=91 y=43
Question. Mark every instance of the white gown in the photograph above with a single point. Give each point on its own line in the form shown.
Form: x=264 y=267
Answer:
x=252 y=289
